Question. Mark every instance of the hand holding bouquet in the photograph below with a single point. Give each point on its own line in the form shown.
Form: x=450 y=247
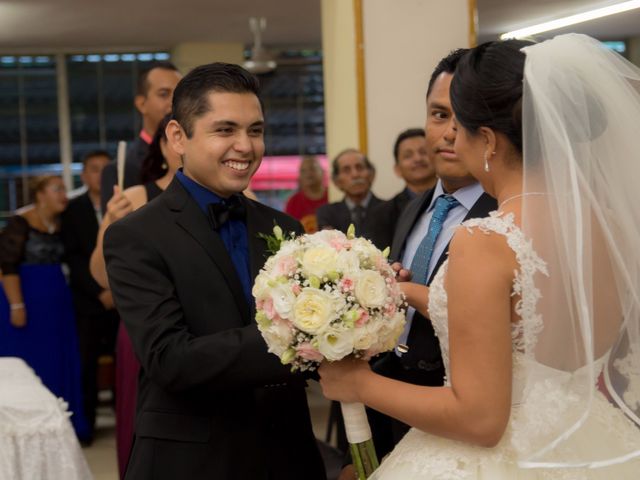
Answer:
x=325 y=296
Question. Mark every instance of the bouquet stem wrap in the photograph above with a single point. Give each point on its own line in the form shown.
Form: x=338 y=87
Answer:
x=360 y=440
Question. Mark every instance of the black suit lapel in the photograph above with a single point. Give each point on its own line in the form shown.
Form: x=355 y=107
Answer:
x=90 y=214
x=258 y=253
x=257 y=246
x=344 y=216
x=406 y=223
x=191 y=219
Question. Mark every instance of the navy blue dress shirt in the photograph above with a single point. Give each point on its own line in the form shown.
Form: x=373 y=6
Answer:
x=233 y=232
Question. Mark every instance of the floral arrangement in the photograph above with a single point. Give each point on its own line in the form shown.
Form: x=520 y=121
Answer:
x=325 y=296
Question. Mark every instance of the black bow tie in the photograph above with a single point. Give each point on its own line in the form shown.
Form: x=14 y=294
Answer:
x=230 y=209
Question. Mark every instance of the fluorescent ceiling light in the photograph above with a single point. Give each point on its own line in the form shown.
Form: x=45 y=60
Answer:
x=572 y=20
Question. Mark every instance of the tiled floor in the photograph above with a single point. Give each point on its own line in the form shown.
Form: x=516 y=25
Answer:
x=101 y=455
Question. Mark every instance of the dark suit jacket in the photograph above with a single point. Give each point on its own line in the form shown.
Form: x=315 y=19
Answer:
x=213 y=403
x=386 y=216
x=337 y=215
x=79 y=231
x=422 y=364
x=136 y=152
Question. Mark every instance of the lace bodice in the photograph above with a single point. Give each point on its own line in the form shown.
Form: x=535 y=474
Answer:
x=542 y=398
x=524 y=332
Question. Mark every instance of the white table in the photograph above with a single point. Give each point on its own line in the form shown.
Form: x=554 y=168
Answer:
x=37 y=440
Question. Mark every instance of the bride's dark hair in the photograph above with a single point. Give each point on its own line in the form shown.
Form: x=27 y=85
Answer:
x=486 y=90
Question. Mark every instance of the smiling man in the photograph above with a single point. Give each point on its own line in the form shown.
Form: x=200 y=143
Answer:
x=212 y=402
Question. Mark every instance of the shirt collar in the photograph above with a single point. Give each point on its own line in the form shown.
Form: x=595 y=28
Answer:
x=351 y=204
x=203 y=196
x=467 y=196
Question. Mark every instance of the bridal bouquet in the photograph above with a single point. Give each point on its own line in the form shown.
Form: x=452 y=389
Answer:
x=324 y=296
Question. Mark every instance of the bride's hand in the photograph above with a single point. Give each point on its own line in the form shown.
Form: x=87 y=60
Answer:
x=417 y=296
x=341 y=380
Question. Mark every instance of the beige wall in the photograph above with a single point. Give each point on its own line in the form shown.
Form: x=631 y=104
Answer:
x=340 y=82
x=188 y=55
x=403 y=43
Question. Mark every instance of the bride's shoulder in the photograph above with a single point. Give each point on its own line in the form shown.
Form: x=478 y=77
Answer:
x=485 y=240
x=496 y=222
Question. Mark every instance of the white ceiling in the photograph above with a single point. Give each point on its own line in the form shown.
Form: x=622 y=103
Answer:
x=499 y=16
x=81 y=25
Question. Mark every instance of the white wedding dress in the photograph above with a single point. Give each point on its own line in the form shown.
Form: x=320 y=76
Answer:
x=605 y=432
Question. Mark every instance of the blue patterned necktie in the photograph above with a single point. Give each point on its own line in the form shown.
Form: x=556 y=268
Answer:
x=422 y=258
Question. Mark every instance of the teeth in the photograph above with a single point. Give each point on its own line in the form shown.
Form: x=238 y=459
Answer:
x=237 y=165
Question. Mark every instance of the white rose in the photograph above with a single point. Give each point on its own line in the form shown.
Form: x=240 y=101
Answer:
x=347 y=262
x=389 y=331
x=278 y=337
x=261 y=286
x=366 y=250
x=319 y=261
x=364 y=337
x=283 y=299
x=326 y=237
x=335 y=343
x=288 y=247
x=370 y=289
x=313 y=310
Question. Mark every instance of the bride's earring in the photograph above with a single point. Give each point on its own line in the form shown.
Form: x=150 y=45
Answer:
x=486 y=161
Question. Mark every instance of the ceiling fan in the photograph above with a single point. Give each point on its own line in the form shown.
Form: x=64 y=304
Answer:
x=260 y=60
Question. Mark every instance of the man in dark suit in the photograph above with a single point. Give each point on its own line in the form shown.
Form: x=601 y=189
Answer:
x=212 y=402
x=96 y=318
x=417 y=359
x=353 y=173
x=154 y=91
x=412 y=164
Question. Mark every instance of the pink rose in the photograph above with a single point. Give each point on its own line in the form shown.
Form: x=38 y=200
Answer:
x=390 y=308
x=338 y=243
x=306 y=351
x=363 y=318
x=346 y=284
x=267 y=307
x=285 y=266
x=296 y=289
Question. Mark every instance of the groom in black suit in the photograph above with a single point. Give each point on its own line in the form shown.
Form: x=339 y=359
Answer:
x=212 y=402
x=417 y=359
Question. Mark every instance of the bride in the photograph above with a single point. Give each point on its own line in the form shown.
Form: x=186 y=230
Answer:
x=537 y=309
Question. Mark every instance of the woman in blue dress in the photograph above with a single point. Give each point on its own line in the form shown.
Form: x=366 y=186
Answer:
x=37 y=321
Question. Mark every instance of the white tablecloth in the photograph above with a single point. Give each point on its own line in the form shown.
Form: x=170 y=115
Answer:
x=37 y=441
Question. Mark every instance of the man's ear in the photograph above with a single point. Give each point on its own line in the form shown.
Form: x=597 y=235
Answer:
x=176 y=137
x=139 y=102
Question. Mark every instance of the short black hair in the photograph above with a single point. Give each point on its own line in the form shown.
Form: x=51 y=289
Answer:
x=447 y=65
x=142 y=85
x=94 y=153
x=409 y=133
x=335 y=168
x=190 y=98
